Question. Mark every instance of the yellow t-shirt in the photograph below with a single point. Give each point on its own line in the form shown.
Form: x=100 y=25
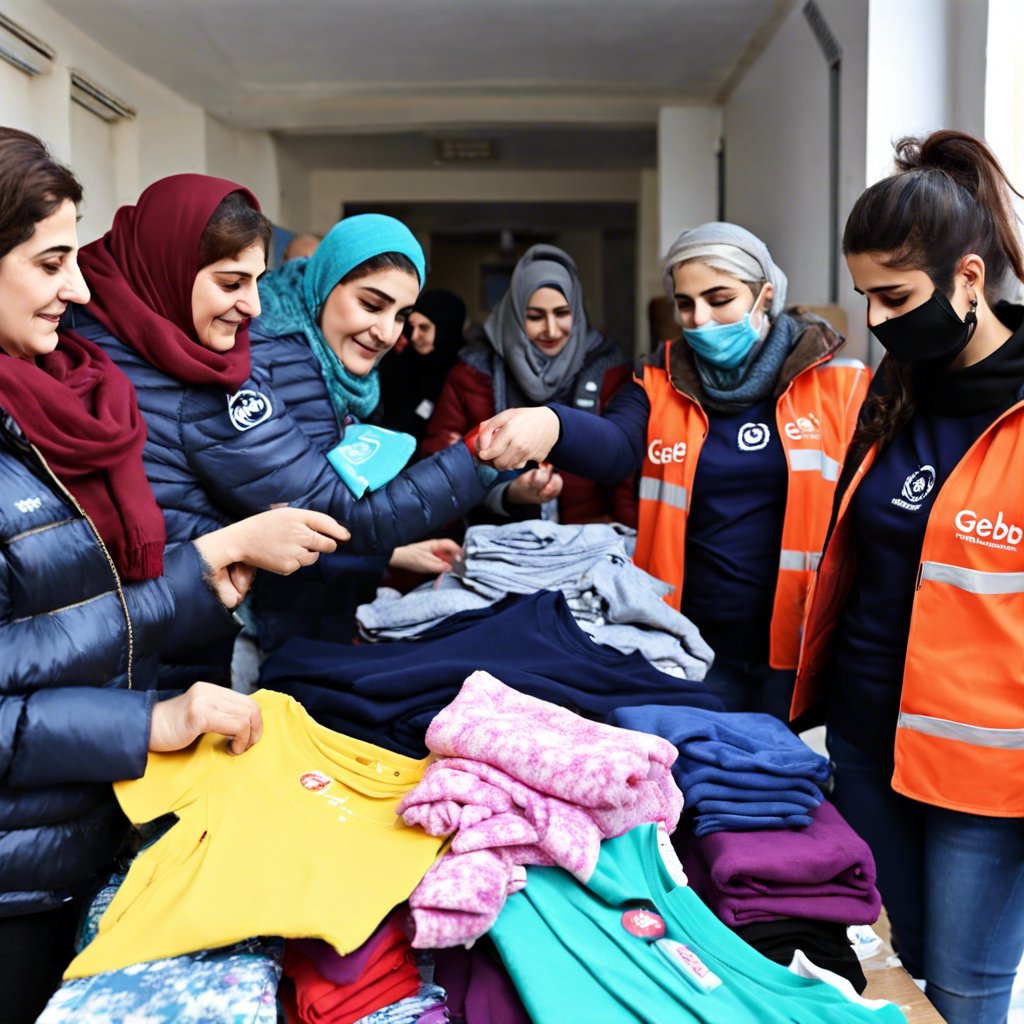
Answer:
x=297 y=837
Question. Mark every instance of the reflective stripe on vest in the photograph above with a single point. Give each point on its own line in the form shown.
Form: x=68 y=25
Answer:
x=661 y=490
x=799 y=560
x=978 y=736
x=974 y=581
x=811 y=460
x=814 y=417
x=960 y=736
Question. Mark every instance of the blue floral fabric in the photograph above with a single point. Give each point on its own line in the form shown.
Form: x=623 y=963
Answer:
x=232 y=985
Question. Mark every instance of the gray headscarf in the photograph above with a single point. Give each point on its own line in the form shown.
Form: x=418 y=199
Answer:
x=540 y=377
x=733 y=250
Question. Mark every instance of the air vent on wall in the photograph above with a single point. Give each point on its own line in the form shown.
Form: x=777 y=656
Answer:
x=86 y=93
x=25 y=51
x=463 y=150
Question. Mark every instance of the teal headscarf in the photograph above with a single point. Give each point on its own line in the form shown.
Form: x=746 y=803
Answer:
x=293 y=296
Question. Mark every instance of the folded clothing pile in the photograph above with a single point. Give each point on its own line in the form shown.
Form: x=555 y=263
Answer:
x=613 y=600
x=333 y=989
x=521 y=781
x=738 y=770
x=824 y=872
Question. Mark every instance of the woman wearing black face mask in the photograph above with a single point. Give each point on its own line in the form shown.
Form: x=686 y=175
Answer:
x=914 y=641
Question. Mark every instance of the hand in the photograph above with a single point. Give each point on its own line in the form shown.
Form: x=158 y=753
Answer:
x=518 y=436
x=426 y=556
x=204 y=708
x=281 y=540
x=535 y=486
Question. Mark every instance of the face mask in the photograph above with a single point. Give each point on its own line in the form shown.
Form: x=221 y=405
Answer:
x=725 y=345
x=932 y=333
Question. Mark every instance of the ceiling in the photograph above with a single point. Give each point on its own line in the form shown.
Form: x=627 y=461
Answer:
x=312 y=67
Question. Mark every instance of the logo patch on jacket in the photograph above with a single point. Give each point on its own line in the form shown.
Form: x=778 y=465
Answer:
x=916 y=488
x=753 y=437
x=247 y=408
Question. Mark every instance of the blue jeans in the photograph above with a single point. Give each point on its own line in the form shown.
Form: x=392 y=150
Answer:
x=952 y=883
x=744 y=686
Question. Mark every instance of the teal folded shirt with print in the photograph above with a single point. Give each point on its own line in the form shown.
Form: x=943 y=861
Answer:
x=572 y=958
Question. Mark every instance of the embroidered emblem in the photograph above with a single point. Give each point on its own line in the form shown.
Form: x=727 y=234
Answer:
x=247 y=408
x=916 y=488
x=753 y=437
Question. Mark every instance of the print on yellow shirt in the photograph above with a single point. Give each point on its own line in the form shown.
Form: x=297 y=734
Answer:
x=296 y=837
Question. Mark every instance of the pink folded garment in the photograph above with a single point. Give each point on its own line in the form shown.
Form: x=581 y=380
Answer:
x=514 y=804
x=824 y=872
x=487 y=810
x=555 y=751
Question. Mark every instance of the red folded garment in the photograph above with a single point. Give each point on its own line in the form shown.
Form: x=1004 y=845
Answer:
x=390 y=976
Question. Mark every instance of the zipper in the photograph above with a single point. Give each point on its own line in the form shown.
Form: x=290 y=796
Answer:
x=103 y=547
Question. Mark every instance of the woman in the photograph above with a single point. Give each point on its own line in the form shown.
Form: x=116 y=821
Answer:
x=327 y=323
x=87 y=599
x=537 y=348
x=738 y=428
x=173 y=290
x=914 y=644
x=411 y=380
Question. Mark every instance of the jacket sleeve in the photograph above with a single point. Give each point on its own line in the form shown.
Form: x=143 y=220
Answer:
x=276 y=462
x=450 y=419
x=73 y=734
x=622 y=497
x=179 y=611
x=608 y=447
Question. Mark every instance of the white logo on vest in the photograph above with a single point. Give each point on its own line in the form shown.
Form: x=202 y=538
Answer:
x=247 y=408
x=916 y=488
x=753 y=437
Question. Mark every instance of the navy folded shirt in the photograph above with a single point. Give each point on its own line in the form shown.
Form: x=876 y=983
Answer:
x=389 y=693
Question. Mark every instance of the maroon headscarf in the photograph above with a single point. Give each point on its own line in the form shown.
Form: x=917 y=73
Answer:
x=79 y=410
x=141 y=274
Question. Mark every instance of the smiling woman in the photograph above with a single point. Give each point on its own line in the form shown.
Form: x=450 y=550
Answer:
x=41 y=277
x=89 y=599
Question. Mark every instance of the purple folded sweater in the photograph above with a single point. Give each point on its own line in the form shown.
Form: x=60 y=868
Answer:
x=824 y=872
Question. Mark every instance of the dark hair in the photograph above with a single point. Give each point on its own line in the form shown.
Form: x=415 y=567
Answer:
x=948 y=198
x=234 y=226
x=382 y=261
x=32 y=186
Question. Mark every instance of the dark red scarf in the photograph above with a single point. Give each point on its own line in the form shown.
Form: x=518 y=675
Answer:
x=141 y=274
x=79 y=410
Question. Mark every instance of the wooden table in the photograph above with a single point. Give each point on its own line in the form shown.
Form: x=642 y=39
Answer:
x=888 y=980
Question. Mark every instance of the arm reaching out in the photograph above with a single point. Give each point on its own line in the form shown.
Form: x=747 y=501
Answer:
x=517 y=436
x=281 y=540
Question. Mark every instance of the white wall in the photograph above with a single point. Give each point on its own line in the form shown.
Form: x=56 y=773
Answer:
x=688 y=142
x=907 y=91
x=169 y=135
x=332 y=188
x=776 y=128
x=1004 y=87
x=248 y=157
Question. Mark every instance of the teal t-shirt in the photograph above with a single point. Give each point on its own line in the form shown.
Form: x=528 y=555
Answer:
x=572 y=958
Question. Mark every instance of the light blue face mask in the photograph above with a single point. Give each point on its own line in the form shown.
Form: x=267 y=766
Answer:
x=725 y=345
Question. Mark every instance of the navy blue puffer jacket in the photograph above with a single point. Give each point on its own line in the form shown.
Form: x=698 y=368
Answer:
x=213 y=458
x=79 y=654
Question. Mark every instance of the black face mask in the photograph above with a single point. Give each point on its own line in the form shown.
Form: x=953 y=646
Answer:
x=931 y=334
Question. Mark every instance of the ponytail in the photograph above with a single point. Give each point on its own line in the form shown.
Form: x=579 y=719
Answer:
x=949 y=197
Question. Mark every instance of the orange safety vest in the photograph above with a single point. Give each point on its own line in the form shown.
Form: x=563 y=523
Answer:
x=815 y=417
x=960 y=732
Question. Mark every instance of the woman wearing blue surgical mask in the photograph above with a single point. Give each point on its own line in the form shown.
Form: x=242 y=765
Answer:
x=738 y=429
